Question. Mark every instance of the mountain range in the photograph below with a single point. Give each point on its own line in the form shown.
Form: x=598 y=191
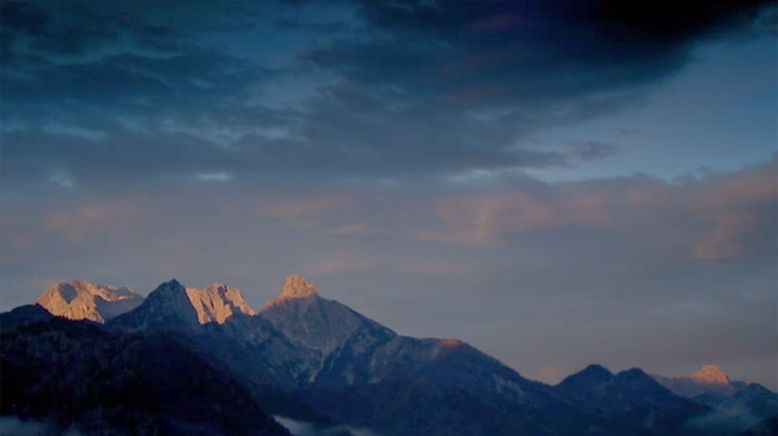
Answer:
x=202 y=361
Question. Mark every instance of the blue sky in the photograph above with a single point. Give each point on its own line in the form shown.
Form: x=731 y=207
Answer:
x=563 y=183
x=718 y=114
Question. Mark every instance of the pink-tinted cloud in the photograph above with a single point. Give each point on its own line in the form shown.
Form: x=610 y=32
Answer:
x=710 y=218
x=305 y=208
x=726 y=242
x=348 y=229
x=308 y=214
x=90 y=220
x=479 y=220
x=739 y=209
x=342 y=264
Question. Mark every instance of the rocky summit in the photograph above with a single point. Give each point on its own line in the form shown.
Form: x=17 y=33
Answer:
x=217 y=302
x=708 y=380
x=81 y=299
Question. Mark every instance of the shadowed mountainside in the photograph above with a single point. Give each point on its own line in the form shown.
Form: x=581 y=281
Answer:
x=77 y=374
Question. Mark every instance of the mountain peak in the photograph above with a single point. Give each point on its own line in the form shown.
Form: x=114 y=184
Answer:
x=81 y=299
x=171 y=284
x=592 y=375
x=217 y=302
x=710 y=374
x=597 y=370
x=166 y=306
x=297 y=286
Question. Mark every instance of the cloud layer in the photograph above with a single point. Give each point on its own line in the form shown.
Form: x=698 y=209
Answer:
x=392 y=88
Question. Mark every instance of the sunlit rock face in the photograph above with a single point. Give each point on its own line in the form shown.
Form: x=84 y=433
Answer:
x=708 y=380
x=710 y=375
x=217 y=302
x=173 y=307
x=295 y=287
x=81 y=299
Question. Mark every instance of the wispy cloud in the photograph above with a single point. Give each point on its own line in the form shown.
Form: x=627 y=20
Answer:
x=63 y=179
x=716 y=217
x=348 y=229
x=343 y=264
x=218 y=176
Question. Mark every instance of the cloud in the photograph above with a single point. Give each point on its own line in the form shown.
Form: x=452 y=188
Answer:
x=218 y=176
x=485 y=219
x=63 y=179
x=594 y=150
x=409 y=89
x=348 y=229
x=87 y=87
x=337 y=264
x=304 y=428
x=726 y=242
x=309 y=207
x=102 y=217
x=456 y=87
x=719 y=216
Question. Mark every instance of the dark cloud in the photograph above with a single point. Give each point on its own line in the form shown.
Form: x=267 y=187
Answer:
x=594 y=150
x=406 y=88
x=496 y=51
x=473 y=80
x=288 y=23
x=666 y=21
x=45 y=30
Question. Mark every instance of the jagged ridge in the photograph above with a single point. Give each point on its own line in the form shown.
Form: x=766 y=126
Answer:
x=81 y=299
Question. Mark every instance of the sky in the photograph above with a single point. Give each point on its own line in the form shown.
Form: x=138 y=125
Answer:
x=556 y=183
